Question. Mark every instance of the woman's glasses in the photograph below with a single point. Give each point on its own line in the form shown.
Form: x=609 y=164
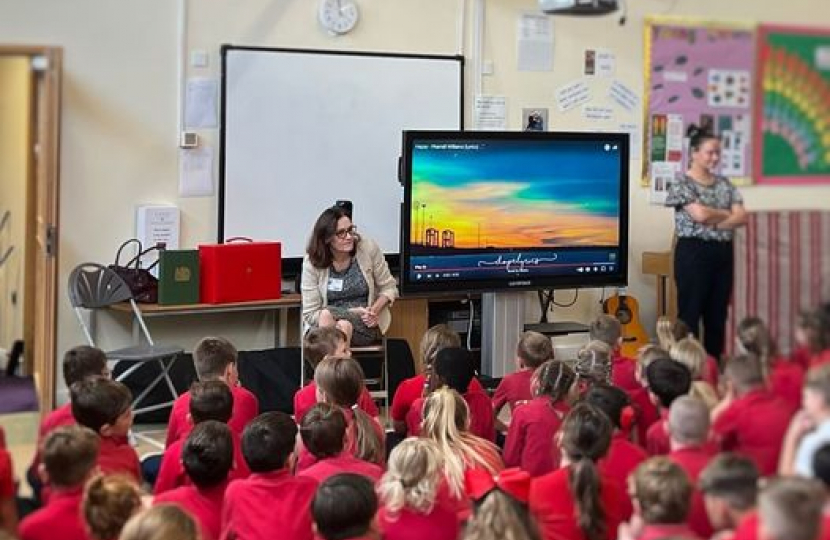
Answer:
x=343 y=233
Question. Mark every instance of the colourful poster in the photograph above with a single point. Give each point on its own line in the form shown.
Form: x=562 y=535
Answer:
x=793 y=102
x=697 y=72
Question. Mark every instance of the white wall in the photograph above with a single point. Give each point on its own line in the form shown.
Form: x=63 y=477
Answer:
x=120 y=101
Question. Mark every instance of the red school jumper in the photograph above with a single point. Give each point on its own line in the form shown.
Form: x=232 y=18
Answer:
x=62 y=416
x=441 y=523
x=413 y=388
x=693 y=459
x=657 y=437
x=245 y=409
x=115 y=455
x=658 y=531
x=172 y=474
x=623 y=372
x=269 y=506
x=342 y=463
x=529 y=443
x=203 y=504
x=306 y=397
x=552 y=503
x=739 y=430
x=61 y=517
x=513 y=390
x=305 y=459
x=622 y=458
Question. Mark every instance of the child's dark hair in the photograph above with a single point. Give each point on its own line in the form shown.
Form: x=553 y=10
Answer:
x=610 y=400
x=207 y=454
x=320 y=342
x=99 y=401
x=821 y=465
x=344 y=506
x=340 y=379
x=69 y=454
x=698 y=135
x=454 y=368
x=744 y=371
x=668 y=380
x=323 y=429
x=268 y=440
x=81 y=362
x=733 y=478
x=585 y=439
x=534 y=349
x=554 y=379
x=212 y=356
x=210 y=400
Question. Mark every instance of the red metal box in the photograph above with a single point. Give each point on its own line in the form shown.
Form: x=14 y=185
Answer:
x=240 y=272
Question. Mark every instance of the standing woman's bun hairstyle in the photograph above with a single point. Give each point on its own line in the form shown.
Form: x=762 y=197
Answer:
x=698 y=135
x=585 y=439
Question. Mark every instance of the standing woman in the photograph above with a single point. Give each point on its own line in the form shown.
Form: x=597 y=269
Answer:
x=708 y=209
x=346 y=282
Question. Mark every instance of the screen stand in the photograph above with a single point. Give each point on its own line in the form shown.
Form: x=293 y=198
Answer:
x=553 y=328
x=501 y=325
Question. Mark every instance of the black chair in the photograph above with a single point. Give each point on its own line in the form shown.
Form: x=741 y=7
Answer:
x=93 y=286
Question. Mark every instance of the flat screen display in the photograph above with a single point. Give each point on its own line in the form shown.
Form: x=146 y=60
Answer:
x=490 y=211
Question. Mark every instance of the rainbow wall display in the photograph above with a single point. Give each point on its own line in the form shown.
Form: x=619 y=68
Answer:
x=793 y=101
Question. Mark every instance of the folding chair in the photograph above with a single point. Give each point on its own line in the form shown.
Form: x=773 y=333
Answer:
x=93 y=286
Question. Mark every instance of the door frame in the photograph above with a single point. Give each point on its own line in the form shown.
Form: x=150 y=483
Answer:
x=43 y=202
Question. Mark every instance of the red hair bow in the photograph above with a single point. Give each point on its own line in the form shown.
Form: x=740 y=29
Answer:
x=514 y=481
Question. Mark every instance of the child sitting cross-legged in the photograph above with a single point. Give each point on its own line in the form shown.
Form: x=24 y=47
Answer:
x=209 y=400
x=529 y=443
x=323 y=431
x=270 y=503
x=207 y=456
x=69 y=455
x=105 y=406
x=344 y=508
x=413 y=494
x=660 y=492
x=215 y=359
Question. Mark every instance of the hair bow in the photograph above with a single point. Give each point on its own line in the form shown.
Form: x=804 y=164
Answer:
x=514 y=481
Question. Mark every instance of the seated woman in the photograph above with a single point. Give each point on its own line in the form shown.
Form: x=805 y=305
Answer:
x=345 y=280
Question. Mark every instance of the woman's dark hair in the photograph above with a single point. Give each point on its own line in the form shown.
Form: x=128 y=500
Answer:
x=699 y=135
x=344 y=506
x=318 y=250
x=585 y=438
x=554 y=379
x=610 y=400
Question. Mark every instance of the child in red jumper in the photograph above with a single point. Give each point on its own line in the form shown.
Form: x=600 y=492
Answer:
x=209 y=400
x=454 y=368
x=669 y=332
x=105 y=406
x=207 y=458
x=271 y=501
x=78 y=364
x=791 y=509
x=647 y=413
x=109 y=502
x=729 y=484
x=532 y=350
x=319 y=343
x=667 y=380
x=339 y=382
x=751 y=420
x=500 y=506
x=690 y=448
x=414 y=501
x=323 y=431
x=623 y=456
x=8 y=492
x=344 y=508
x=784 y=377
x=576 y=501
x=529 y=443
x=660 y=491
x=69 y=455
x=215 y=360
x=608 y=329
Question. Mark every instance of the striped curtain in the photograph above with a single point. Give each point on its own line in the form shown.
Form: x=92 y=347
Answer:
x=782 y=266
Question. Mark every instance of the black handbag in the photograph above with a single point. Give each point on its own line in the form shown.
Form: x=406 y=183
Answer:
x=143 y=284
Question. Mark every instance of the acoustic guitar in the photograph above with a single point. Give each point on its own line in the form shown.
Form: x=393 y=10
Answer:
x=627 y=310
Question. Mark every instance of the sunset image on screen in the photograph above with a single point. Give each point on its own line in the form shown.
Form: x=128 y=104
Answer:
x=495 y=196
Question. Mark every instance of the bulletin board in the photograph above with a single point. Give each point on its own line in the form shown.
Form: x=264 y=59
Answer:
x=696 y=72
x=793 y=94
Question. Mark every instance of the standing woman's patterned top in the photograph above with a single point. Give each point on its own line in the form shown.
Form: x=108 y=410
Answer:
x=720 y=195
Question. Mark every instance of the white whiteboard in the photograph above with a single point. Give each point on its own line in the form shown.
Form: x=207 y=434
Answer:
x=302 y=129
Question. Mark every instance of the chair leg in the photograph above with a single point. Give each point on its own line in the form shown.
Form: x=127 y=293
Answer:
x=165 y=375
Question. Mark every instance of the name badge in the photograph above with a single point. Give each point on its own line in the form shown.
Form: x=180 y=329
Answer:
x=336 y=284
